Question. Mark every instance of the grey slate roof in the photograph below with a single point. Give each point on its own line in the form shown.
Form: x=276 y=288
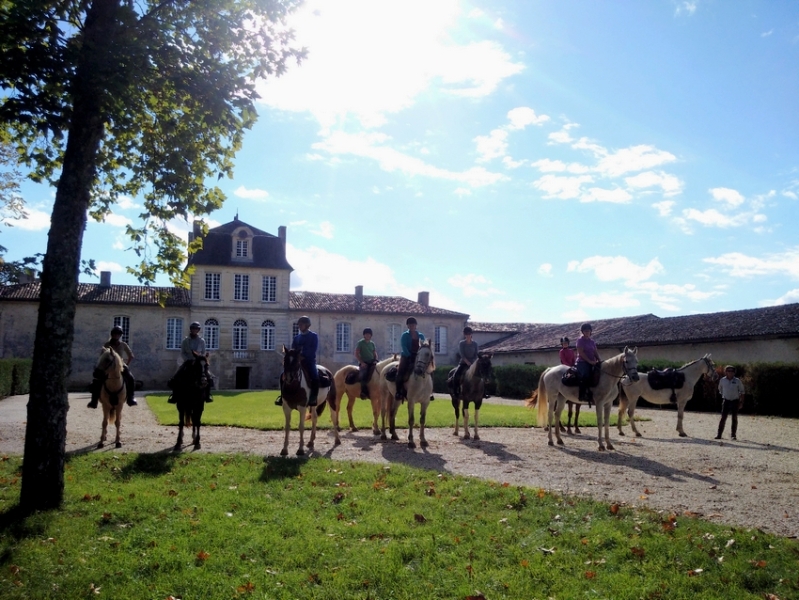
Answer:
x=96 y=294
x=348 y=303
x=268 y=251
x=650 y=330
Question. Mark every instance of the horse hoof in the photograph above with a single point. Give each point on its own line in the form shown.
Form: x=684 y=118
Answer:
x=577 y=431
x=354 y=429
x=466 y=436
x=300 y=452
x=638 y=435
x=476 y=437
x=337 y=442
x=383 y=437
x=284 y=452
x=560 y=443
x=611 y=447
x=118 y=445
x=683 y=434
x=411 y=445
x=551 y=443
x=375 y=432
x=100 y=445
x=601 y=448
x=176 y=448
x=309 y=445
x=197 y=446
x=395 y=437
x=424 y=444
x=621 y=433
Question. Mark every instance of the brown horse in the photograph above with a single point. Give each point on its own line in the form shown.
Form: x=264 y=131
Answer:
x=473 y=385
x=347 y=381
x=190 y=385
x=112 y=393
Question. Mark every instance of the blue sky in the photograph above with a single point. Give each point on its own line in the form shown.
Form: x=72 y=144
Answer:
x=522 y=160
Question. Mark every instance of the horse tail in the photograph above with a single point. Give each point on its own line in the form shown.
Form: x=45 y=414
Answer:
x=532 y=400
x=187 y=419
x=543 y=403
x=624 y=401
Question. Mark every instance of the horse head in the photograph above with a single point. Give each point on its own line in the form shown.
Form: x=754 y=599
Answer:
x=711 y=368
x=483 y=367
x=425 y=360
x=631 y=362
x=291 y=365
x=110 y=363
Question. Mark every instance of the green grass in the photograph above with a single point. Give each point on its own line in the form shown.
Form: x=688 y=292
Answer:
x=212 y=526
x=257 y=410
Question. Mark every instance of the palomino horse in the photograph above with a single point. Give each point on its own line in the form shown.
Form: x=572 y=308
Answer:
x=189 y=393
x=295 y=391
x=473 y=386
x=418 y=389
x=347 y=381
x=630 y=391
x=552 y=394
x=112 y=394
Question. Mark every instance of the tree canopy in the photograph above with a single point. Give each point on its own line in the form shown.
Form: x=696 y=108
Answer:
x=103 y=98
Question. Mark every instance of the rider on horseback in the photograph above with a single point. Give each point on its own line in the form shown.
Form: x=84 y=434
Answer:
x=587 y=361
x=366 y=353
x=467 y=349
x=409 y=346
x=115 y=342
x=306 y=341
x=193 y=346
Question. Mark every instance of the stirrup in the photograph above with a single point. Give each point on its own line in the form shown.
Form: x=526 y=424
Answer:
x=279 y=401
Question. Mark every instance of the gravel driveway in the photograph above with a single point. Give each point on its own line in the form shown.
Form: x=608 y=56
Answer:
x=752 y=482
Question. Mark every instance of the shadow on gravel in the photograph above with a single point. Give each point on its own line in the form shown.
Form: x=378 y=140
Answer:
x=279 y=467
x=398 y=452
x=742 y=444
x=639 y=463
x=494 y=449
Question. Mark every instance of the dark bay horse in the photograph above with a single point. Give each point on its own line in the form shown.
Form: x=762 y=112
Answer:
x=473 y=387
x=190 y=392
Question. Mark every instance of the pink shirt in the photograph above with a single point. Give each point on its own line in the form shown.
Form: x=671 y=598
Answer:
x=567 y=357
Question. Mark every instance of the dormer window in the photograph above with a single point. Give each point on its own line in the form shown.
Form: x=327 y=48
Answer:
x=242 y=245
x=242 y=248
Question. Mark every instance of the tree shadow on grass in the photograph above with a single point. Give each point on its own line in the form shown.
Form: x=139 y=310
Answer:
x=153 y=465
x=279 y=467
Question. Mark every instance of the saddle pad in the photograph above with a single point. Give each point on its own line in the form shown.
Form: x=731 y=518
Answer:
x=391 y=374
x=570 y=378
x=669 y=379
x=352 y=377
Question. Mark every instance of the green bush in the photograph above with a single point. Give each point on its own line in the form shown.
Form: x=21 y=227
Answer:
x=772 y=387
x=440 y=379
x=21 y=376
x=6 y=376
x=517 y=381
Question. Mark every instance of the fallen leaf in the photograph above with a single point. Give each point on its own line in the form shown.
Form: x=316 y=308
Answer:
x=419 y=518
x=590 y=574
x=14 y=569
x=729 y=543
x=614 y=509
x=547 y=550
x=246 y=588
x=541 y=493
x=525 y=562
x=638 y=551
x=646 y=491
x=668 y=526
x=584 y=541
x=476 y=596
x=203 y=555
x=693 y=572
x=754 y=487
x=713 y=487
x=338 y=498
x=760 y=564
x=643 y=497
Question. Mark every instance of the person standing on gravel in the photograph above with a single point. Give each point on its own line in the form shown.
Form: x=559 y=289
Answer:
x=732 y=400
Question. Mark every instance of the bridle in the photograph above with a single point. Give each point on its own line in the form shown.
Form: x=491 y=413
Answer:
x=293 y=369
x=711 y=368
x=483 y=368
x=113 y=356
x=421 y=365
x=629 y=371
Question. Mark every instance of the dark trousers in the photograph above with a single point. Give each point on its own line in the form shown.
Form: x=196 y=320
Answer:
x=456 y=379
x=584 y=370
x=729 y=407
x=404 y=366
x=365 y=374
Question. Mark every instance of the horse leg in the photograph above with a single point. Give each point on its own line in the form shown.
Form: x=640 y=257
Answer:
x=466 y=434
x=286 y=428
x=550 y=419
x=392 y=422
x=350 y=405
x=577 y=419
x=312 y=439
x=104 y=434
x=179 y=443
x=631 y=415
x=456 y=405
x=623 y=403
x=476 y=436
x=570 y=406
x=336 y=428
x=680 y=414
x=118 y=424
x=196 y=421
x=301 y=450
x=388 y=400
x=411 y=443
x=606 y=411
x=558 y=415
x=422 y=417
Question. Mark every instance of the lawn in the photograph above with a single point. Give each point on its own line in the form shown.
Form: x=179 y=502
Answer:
x=170 y=526
x=257 y=410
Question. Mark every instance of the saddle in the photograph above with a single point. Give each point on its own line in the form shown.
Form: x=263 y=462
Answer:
x=572 y=379
x=325 y=376
x=354 y=377
x=391 y=374
x=668 y=379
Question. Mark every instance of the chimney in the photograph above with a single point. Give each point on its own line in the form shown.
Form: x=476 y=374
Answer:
x=105 y=279
x=424 y=298
x=359 y=293
x=281 y=233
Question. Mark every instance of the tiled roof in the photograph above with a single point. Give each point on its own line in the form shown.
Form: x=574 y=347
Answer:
x=648 y=330
x=96 y=294
x=348 y=303
x=268 y=251
x=485 y=327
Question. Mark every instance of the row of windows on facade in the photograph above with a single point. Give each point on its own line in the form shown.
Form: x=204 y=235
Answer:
x=175 y=335
x=241 y=287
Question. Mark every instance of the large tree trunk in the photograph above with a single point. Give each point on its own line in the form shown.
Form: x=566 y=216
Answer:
x=45 y=436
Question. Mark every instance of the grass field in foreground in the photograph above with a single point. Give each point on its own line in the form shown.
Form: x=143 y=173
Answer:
x=211 y=526
x=257 y=410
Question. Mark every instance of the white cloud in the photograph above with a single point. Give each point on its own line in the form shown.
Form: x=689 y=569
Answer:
x=790 y=194
x=362 y=63
x=605 y=300
x=325 y=230
x=37 y=220
x=767 y=33
x=664 y=207
x=510 y=306
x=493 y=145
x=117 y=220
x=523 y=116
x=687 y=7
x=727 y=195
x=634 y=158
x=577 y=314
x=461 y=192
x=562 y=187
x=104 y=265
x=613 y=268
x=545 y=270
x=512 y=164
x=738 y=264
x=373 y=146
x=126 y=203
x=253 y=194
x=321 y=271
x=788 y=297
x=669 y=184
x=713 y=218
x=616 y=195
x=473 y=285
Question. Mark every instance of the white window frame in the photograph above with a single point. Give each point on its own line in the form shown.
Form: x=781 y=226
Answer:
x=211 y=334
x=213 y=282
x=393 y=345
x=242 y=248
x=123 y=322
x=269 y=288
x=174 y=333
x=240 y=335
x=295 y=331
x=268 y=335
x=441 y=344
x=343 y=337
x=241 y=287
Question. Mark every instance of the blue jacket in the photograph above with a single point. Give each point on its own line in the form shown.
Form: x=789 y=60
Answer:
x=306 y=343
x=405 y=342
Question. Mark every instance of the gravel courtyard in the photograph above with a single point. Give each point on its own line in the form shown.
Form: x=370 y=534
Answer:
x=751 y=482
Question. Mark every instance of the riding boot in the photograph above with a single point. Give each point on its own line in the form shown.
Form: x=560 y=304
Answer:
x=364 y=391
x=130 y=386
x=456 y=393
x=400 y=394
x=581 y=394
x=95 y=390
x=312 y=400
x=208 y=396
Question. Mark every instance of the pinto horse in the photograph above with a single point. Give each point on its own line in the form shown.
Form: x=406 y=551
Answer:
x=473 y=385
x=295 y=390
x=630 y=391
x=190 y=392
x=347 y=382
x=552 y=394
x=418 y=388
x=112 y=394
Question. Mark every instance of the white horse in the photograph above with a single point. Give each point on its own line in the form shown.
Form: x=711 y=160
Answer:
x=353 y=390
x=552 y=395
x=295 y=391
x=417 y=389
x=630 y=391
x=113 y=394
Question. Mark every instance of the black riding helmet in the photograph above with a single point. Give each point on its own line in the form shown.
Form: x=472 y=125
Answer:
x=116 y=329
x=367 y=330
x=586 y=326
x=410 y=320
x=467 y=330
x=304 y=319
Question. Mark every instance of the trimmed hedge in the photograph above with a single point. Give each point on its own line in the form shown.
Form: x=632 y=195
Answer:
x=15 y=374
x=773 y=388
